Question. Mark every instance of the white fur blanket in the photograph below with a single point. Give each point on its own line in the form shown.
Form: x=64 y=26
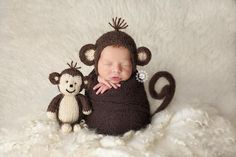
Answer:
x=187 y=133
x=193 y=40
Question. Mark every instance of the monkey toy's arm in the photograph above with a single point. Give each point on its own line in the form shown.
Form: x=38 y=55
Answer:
x=86 y=108
x=53 y=106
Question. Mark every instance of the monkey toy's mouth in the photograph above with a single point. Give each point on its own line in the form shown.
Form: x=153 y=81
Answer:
x=70 y=91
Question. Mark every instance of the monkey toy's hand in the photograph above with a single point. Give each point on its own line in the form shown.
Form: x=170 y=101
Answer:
x=104 y=85
x=87 y=112
x=51 y=115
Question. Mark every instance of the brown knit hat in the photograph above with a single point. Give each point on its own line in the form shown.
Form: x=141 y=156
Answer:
x=116 y=38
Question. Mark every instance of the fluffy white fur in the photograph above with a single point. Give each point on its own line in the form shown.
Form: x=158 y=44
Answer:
x=193 y=40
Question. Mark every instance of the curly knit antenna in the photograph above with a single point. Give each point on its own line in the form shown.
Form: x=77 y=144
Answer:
x=117 y=25
x=73 y=66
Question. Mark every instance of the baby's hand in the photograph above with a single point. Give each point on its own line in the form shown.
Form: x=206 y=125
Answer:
x=107 y=83
x=101 y=88
x=104 y=85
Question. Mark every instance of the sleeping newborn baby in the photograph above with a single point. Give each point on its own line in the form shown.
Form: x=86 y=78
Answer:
x=124 y=106
x=118 y=99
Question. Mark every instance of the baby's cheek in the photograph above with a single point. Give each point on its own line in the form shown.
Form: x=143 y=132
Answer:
x=127 y=74
x=104 y=74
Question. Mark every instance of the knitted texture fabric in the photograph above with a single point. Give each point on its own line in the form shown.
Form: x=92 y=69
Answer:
x=117 y=38
x=119 y=110
x=81 y=101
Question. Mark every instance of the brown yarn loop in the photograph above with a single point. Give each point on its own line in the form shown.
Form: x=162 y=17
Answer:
x=167 y=92
x=117 y=25
x=73 y=66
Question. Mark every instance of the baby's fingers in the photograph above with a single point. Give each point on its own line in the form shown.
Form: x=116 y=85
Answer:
x=104 y=88
x=101 y=80
x=115 y=85
x=97 y=86
x=99 y=90
x=118 y=85
x=107 y=84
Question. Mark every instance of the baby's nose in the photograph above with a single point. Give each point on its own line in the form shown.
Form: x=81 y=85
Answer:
x=117 y=68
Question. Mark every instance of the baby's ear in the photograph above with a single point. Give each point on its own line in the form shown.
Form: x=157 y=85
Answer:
x=87 y=54
x=54 y=78
x=143 y=56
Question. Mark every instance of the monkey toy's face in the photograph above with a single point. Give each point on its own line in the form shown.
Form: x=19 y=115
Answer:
x=70 y=85
x=69 y=81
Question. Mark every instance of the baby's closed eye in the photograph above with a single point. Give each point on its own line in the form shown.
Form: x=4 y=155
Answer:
x=122 y=64
x=107 y=63
x=125 y=64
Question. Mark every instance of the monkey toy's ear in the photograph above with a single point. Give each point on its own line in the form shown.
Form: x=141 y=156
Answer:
x=54 y=78
x=86 y=54
x=143 y=56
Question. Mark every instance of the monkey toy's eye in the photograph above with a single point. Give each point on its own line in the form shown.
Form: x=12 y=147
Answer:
x=75 y=83
x=67 y=81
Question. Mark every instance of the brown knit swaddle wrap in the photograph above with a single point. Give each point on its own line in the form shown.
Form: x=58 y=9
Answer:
x=119 y=110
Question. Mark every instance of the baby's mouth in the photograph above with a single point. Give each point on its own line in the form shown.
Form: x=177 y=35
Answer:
x=70 y=91
x=116 y=79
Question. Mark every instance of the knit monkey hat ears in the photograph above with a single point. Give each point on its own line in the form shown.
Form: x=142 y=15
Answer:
x=90 y=54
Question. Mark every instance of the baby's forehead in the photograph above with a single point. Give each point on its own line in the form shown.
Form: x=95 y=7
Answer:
x=115 y=51
x=114 y=58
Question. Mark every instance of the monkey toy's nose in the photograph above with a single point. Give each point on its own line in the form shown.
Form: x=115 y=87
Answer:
x=71 y=85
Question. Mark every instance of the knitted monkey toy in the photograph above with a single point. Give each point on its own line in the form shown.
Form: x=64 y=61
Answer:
x=127 y=108
x=69 y=106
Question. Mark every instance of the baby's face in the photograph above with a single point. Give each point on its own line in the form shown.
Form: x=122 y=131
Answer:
x=115 y=64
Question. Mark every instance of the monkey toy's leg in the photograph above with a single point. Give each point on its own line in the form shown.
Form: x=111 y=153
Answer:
x=76 y=127
x=66 y=128
x=83 y=124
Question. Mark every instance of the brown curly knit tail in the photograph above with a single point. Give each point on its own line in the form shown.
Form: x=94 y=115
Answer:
x=167 y=91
